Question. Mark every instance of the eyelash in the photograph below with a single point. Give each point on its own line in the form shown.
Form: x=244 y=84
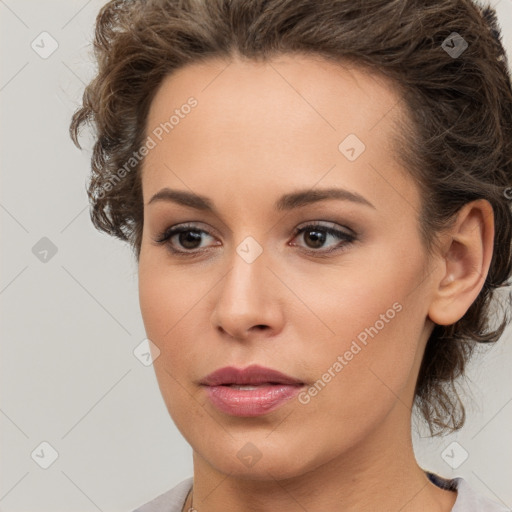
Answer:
x=346 y=238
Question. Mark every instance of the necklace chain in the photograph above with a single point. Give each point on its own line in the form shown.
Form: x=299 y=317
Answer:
x=191 y=508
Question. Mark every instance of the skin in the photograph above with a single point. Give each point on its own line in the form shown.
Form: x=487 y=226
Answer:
x=261 y=130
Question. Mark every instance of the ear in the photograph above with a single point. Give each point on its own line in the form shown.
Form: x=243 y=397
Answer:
x=466 y=253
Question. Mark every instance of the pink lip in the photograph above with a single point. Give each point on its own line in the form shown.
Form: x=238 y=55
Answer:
x=273 y=390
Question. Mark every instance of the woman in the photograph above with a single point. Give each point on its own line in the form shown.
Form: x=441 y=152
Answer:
x=318 y=197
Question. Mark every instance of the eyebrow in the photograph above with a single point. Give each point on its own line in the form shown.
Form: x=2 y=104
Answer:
x=284 y=203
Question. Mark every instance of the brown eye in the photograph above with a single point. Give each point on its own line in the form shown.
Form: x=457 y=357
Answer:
x=316 y=235
x=184 y=239
x=189 y=239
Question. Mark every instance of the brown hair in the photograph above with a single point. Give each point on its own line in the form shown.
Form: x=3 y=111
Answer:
x=459 y=107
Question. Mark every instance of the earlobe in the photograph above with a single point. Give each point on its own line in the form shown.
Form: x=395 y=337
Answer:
x=467 y=253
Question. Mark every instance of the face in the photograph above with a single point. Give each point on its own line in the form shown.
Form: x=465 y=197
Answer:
x=330 y=290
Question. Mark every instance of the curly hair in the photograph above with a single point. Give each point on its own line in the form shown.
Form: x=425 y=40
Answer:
x=456 y=140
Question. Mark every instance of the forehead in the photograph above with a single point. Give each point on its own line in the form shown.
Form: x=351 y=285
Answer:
x=283 y=91
x=263 y=124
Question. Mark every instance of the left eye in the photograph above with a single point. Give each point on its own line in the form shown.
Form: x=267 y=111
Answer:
x=190 y=237
x=317 y=234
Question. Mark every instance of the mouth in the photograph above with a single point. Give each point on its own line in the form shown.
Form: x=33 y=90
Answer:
x=253 y=391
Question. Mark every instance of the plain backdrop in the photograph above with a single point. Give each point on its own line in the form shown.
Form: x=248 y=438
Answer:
x=71 y=319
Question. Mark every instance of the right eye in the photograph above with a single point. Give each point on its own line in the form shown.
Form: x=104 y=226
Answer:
x=188 y=236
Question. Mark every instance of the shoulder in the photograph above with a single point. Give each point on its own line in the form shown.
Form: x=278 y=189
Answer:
x=468 y=500
x=170 y=501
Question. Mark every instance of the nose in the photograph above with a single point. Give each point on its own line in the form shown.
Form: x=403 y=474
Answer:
x=248 y=300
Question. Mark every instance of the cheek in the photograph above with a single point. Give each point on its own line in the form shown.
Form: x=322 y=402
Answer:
x=378 y=316
x=368 y=366
x=174 y=307
x=168 y=314
x=168 y=299
x=166 y=310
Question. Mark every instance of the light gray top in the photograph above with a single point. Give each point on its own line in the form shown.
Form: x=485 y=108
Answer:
x=468 y=500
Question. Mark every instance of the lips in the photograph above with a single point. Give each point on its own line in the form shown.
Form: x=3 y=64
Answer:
x=252 y=391
x=253 y=375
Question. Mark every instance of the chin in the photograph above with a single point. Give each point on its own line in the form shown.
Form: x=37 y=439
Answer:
x=252 y=457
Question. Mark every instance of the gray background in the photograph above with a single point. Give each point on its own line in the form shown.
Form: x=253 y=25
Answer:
x=70 y=324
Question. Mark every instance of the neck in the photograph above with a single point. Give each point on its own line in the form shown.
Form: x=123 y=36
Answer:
x=358 y=481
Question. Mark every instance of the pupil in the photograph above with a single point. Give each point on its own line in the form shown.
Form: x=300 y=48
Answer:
x=188 y=239
x=318 y=238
